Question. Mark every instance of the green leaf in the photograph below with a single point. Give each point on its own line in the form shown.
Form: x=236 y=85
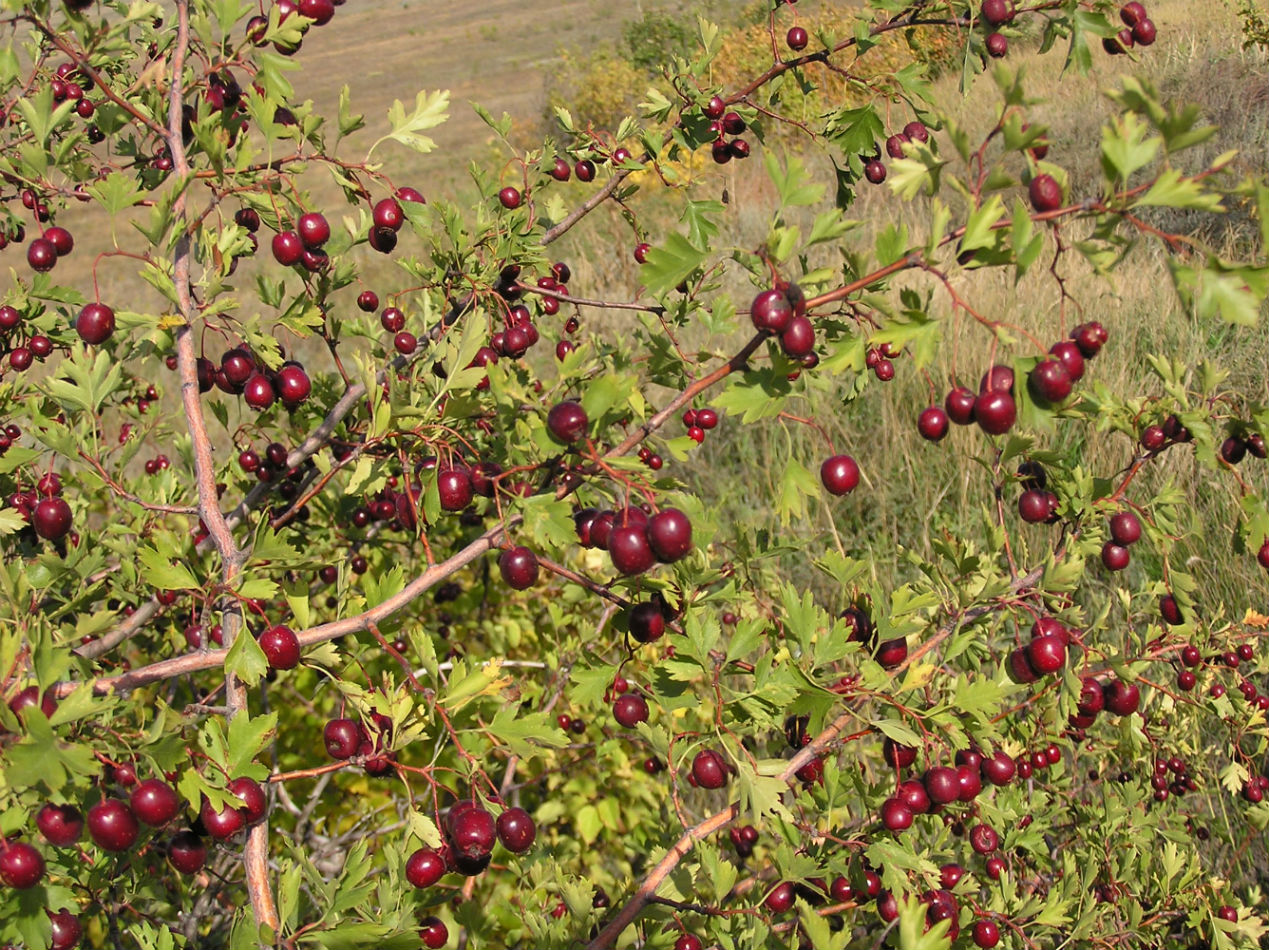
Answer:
x=348 y=121
x=1172 y=190
x=429 y=112
x=1125 y=147
x=670 y=263
x=247 y=737
x=979 y=228
x=792 y=182
x=165 y=574
x=116 y=192
x=246 y=660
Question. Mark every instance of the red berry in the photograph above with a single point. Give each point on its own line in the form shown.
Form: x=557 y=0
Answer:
x=424 y=867
x=21 y=865
x=840 y=474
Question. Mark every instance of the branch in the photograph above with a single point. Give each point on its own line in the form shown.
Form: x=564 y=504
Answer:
x=255 y=856
x=212 y=659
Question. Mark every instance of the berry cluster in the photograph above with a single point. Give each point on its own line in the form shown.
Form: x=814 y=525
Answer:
x=723 y=123
x=634 y=539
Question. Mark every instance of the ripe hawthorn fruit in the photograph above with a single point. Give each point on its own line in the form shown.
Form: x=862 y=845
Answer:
x=112 y=825
x=424 y=867
x=516 y=830
x=519 y=567
x=630 y=709
x=669 y=534
x=709 y=769
x=281 y=647
x=21 y=865
x=1045 y=193
x=839 y=474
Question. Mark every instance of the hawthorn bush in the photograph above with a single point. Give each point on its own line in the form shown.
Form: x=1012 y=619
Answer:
x=352 y=606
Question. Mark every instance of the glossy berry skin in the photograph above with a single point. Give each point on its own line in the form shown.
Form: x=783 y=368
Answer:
x=771 y=311
x=41 y=255
x=780 y=900
x=95 y=323
x=688 y=942
x=66 y=930
x=942 y=785
x=892 y=653
x=567 y=422
x=995 y=412
x=454 y=488
x=281 y=647
x=798 y=338
x=999 y=769
x=895 y=815
x=258 y=392
x=472 y=832
x=1144 y=33
x=293 y=385
x=896 y=755
x=984 y=839
x=1123 y=699
x=669 y=534
x=21 y=865
x=969 y=781
x=646 y=621
x=342 y=738
x=155 y=802
x=997 y=12
x=254 y=803
x=709 y=769
x=839 y=474
x=1132 y=13
x=1045 y=193
x=997 y=45
x=1125 y=528
x=1069 y=355
x=959 y=405
x=630 y=709
x=186 y=852
x=388 y=214
x=424 y=867
x=433 y=933
x=509 y=198
x=1046 y=654
x=1115 y=557
x=516 y=830
x=985 y=934
x=112 y=825
x=313 y=229
x=629 y=549
x=1049 y=381
x=51 y=518
x=519 y=568
x=913 y=794
x=61 y=825
x=221 y=823
x=287 y=248
x=1033 y=506
x=932 y=423
x=61 y=240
